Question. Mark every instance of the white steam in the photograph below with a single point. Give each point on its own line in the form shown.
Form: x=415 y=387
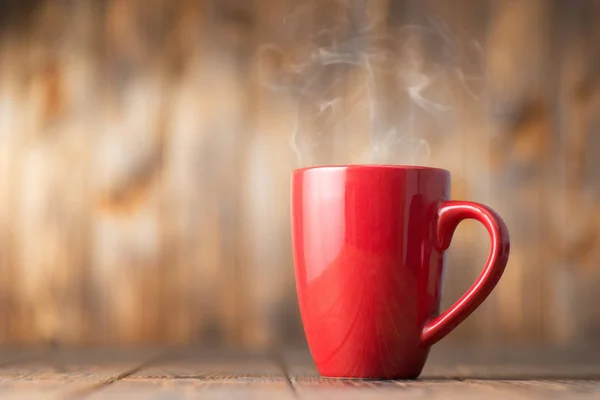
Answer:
x=373 y=97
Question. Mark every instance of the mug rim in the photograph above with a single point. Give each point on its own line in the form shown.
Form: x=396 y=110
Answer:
x=404 y=167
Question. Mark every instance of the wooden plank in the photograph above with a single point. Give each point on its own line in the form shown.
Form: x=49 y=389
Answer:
x=317 y=388
x=193 y=389
x=452 y=373
x=56 y=374
x=474 y=389
x=520 y=129
x=198 y=373
x=424 y=389
x=573 y=223
x=202 y=364
x=482 y=363
x=48 y=204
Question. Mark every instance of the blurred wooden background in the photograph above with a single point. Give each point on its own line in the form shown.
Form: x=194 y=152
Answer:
x=146 y=147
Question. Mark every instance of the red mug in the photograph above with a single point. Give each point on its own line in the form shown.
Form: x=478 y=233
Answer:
x=368 y=244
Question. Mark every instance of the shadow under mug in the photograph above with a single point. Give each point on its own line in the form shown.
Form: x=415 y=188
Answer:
x=368 y=244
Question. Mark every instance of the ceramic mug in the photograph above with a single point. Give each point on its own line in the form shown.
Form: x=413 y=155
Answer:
x=368 y=244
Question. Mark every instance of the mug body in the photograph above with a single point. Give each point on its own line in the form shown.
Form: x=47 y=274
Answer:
x=368 y=272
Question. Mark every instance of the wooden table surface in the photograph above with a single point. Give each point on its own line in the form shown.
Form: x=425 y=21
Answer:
x=191 y=373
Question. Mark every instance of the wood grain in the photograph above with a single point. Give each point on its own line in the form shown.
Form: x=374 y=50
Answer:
x=146 y=147
x=451 y=372
x=193 y=389
x=466 y=373
x=60 y=374
x=202 y=364
x=191 y=373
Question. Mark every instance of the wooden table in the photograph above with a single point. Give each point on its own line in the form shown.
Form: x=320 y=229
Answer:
x=190 y=374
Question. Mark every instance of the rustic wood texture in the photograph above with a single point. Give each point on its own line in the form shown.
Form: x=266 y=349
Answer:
x=146 y=147
x=451 y=372
x=60 y=374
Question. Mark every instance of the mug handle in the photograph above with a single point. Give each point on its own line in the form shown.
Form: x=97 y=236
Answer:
x=450 y=214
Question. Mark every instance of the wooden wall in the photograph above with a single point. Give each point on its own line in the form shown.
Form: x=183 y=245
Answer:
x=146 y=146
